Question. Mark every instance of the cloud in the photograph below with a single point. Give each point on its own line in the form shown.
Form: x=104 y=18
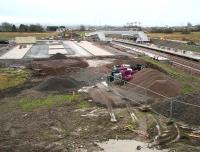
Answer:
x=148 y=12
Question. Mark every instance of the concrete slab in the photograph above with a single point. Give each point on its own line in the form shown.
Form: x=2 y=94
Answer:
x=56 y=47
x=37 y=51
x=16 y=53
x=78 y=51
x=94 y=49
x=54 y=51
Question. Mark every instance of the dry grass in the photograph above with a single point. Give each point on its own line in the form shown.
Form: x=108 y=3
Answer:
x=12 y=77
x=12 y=35
x=193 y=36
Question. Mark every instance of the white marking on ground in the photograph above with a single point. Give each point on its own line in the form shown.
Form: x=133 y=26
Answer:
x=54 y=51
x=16 y=53
x=77 y=49
x=94 y=49
x=97 y=63
x=56 y=47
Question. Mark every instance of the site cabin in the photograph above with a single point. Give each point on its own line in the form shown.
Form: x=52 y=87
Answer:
x=25 y=40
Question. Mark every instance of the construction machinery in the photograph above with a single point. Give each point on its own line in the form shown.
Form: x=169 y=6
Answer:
x=124 y=72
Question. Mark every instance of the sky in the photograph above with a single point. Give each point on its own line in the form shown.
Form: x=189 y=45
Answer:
x=101 y=12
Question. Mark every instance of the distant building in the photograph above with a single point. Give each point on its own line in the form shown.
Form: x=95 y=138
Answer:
x=61 y=29
x=137 y=36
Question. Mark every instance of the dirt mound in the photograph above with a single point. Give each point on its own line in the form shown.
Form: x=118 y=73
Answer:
x=60 y=84
x=58 y=56
x=57 y=66
x=158 y=82
x=186 y=113
x=105 y=98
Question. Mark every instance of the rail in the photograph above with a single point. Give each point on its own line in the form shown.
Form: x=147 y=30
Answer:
x=196 y=58
x=197 y=70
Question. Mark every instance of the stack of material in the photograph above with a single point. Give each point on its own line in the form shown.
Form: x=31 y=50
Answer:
x=158 y=82
x=58 y=66
x=60 y=84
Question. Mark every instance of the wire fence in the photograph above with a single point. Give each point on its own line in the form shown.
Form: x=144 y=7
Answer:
x=172 y=108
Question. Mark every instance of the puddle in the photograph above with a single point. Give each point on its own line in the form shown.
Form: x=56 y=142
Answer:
x=113 y=145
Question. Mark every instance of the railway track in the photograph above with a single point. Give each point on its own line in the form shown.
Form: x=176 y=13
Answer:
x=183 y=63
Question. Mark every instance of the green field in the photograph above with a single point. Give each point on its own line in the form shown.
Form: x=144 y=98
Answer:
x=12 y=35
x=193 y=36
x=10 y=77
x=28 y=104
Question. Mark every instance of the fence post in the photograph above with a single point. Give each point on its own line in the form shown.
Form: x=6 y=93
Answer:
x=171 y=109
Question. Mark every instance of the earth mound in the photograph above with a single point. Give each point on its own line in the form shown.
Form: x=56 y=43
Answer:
x=58 y=56
x=60 y=84
x=157 y=82
x=58 y=66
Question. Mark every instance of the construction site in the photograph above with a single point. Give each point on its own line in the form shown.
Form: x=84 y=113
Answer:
x=109 y=91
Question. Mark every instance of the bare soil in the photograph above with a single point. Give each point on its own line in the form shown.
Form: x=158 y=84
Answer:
x=57 y=66
x=65 y=128
x=69 y=127
x=158 y=82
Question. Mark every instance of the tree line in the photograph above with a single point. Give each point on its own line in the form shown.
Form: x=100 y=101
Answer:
x=8 y=27
x=182 y=29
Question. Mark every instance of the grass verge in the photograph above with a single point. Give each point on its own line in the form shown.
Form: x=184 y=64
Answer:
x=10 y=77
x=12 y=35
x=83 y=105
x=193 y=36
x=46 y=102
x=189 y=83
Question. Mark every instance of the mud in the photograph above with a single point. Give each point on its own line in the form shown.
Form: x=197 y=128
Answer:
x=59 y=129
x=12 y=92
